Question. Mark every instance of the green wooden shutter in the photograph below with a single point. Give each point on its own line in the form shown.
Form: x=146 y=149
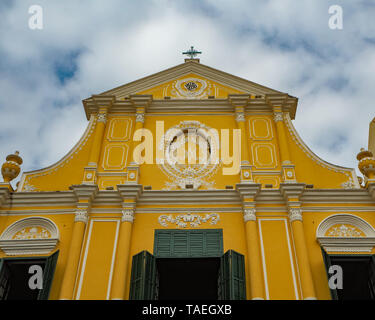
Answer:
x=232 y=281
x=327 y=263
x=188 y=243
x=144 y=284
x=48 y=273
x=162 y=245
x=372 y=277
x=180 y=244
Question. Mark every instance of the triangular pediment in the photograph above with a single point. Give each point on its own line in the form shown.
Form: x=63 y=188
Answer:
x=190 y=80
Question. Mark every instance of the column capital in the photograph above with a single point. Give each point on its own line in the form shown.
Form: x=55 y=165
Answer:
x=81 y=215
x=249 y=214
x=128 y=215
x=295 y=214
x=240 y=116
x=278 y=116
x=102 y=117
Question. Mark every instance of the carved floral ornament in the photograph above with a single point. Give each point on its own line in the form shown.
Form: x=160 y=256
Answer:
x=35 y=235
x=345 y=233
x=188 y=219
x=182 y=174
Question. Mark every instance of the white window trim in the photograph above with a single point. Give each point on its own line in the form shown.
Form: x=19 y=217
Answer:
x=346 y=244
x=13 y=247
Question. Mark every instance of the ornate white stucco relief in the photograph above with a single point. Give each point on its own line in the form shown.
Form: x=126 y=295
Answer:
x=35 y=235
x=183 y=173
x=185 y=220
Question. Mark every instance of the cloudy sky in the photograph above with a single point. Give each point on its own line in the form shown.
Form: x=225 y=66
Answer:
x=90 y=46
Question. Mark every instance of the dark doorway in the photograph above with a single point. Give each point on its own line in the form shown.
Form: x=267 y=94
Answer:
x=17 y=274
x=188 y=278
x=356 y=277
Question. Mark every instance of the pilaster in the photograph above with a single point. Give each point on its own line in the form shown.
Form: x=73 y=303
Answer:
x=141 y=103
x=103 y=104
x=129 y=194
x=239 y=103
x=292 y=193
x=248 y=193
x=85 y=195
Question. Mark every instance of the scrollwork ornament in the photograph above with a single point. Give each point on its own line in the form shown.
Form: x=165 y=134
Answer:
x=194 y=220
x=295 y=214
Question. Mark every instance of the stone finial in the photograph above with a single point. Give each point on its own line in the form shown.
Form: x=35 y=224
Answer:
x=11 y=167
x=366 y=163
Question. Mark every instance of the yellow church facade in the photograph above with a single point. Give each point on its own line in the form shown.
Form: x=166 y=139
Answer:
x=131 y=212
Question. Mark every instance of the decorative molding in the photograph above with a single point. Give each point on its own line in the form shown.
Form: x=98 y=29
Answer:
x=189 y=88
x=127 y=215
x=183 y=174
x=34 y=235
x=81 y=215
x=249 y=215
x=295 y=214
x=194 y=220
x=345 y=233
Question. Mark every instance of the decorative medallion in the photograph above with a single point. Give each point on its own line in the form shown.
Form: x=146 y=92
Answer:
x=193 y=220
x=185 y=166
x=191 y=88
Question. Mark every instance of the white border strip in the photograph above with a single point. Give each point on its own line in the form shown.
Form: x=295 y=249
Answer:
x=290 y=256
x=81 y=276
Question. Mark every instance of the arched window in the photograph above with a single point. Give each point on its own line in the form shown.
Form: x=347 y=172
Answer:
x=29 y=236
x=347 y=241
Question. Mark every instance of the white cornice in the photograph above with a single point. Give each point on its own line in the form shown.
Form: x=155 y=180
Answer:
x=339 y=197
x=255 y=105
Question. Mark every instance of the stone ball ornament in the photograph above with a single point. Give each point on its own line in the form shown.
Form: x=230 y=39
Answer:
x=11 y=167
